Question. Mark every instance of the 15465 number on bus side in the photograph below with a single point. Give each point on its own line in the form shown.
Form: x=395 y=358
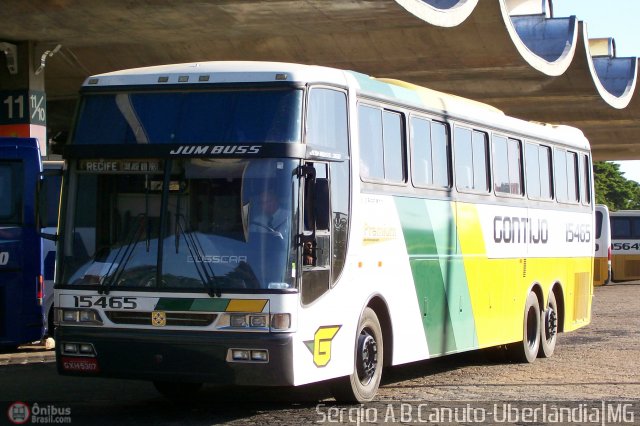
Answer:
x=579 y=233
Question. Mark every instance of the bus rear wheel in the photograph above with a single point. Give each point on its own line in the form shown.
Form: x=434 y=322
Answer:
x=549 y=328
x=362 y=384
x=527 y=349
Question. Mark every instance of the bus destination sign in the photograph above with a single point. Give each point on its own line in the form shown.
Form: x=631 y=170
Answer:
x=124 y=166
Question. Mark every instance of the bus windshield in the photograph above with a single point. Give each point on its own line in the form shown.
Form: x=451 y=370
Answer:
x=220 y=225
x=221 y=116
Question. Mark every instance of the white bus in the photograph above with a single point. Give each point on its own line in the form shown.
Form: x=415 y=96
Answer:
x=625 y=245
x=278 y=224
x=602 y=257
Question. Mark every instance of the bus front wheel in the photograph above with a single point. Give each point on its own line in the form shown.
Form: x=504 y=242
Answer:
x=362 y=384
x=527 y=349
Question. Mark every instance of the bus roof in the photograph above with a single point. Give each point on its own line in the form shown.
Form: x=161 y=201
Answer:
x=219 y=72
x=625 y=213
x=394 y=90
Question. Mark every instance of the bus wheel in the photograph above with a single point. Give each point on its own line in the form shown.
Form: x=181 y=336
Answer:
x=527 y=350
x=362 y=384
x=549 y=328
x=50 y=323
x=177 y=391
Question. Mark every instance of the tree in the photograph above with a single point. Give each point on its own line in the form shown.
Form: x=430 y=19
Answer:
x=613 y=189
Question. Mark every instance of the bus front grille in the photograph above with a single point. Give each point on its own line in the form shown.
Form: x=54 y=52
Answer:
x=179 y=319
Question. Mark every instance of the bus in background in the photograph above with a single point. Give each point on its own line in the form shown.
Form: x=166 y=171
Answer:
x=25 y=300
x=271 y=224
x=625 y=245
x=602 y=258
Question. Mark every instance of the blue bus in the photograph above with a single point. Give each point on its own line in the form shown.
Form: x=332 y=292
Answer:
x=25 y=303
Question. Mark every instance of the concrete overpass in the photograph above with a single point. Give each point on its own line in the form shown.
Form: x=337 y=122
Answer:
x=513 y=54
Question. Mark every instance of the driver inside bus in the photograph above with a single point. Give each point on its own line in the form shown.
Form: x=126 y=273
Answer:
x=269 y=216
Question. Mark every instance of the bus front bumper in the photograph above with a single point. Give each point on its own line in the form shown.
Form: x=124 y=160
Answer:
x=164 y=355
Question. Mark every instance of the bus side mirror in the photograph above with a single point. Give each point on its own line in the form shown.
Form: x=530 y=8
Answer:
x=48 y=183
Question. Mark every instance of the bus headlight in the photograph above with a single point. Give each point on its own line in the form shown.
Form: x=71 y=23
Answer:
x=258 y=320
x=78 y=316
x=248 y=355
x=77 y=349
x=238 y=320
x=254 y=322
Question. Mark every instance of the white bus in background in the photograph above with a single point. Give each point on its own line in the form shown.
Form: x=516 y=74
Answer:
x=625 y=245
x=602 y=258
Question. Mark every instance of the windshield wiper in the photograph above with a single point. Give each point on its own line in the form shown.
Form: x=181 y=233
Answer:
x=205 y=271
x=125 y=252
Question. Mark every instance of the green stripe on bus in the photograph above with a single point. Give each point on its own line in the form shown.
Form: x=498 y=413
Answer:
x=191 y=304
x=457 y=287
x=427 y=274
x=438 y=273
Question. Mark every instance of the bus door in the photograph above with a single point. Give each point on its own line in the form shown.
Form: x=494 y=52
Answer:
x=315 y=236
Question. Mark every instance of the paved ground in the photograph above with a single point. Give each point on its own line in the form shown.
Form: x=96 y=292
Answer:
x=29 y=354
x=595 y=372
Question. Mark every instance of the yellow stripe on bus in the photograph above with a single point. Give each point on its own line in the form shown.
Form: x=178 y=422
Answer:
x=246 y=305
x=498 y=287
x=479 y=274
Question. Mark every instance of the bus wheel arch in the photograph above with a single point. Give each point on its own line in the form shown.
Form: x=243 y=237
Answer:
x=381 y=310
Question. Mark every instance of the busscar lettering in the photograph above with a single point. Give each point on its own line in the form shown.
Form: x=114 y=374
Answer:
x=216 y=259
x=216 y=150
x=520 y=230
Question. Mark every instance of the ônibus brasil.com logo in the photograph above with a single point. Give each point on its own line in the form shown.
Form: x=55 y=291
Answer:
x=19 y=413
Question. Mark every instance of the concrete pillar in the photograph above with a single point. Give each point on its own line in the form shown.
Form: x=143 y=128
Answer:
x=23 y=103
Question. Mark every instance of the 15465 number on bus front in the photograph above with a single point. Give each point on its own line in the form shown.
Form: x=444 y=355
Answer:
x=115 y=302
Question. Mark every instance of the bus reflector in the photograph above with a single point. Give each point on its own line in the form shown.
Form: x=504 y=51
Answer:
x=86 y=365
x=40 y=289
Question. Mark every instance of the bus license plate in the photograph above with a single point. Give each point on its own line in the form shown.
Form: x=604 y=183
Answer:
x=85 y=365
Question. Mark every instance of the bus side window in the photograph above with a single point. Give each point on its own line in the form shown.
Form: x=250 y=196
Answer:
x=507 y=165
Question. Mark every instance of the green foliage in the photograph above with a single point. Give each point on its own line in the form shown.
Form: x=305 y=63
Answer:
x=613 y=189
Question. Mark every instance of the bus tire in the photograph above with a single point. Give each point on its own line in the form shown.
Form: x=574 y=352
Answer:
x=527 y=349
x=177 y=391
x=549 y=328
x=362 y=384
x=51 y=323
